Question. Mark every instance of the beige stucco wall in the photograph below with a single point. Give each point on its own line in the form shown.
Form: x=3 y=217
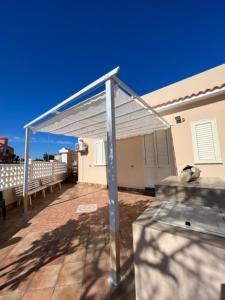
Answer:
x=87 y=170
x=181 y=133
x=130 y=164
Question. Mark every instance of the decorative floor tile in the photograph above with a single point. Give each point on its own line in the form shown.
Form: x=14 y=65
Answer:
x=87 y=208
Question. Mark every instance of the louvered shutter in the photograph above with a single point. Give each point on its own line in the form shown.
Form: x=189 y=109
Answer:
x=205 y=142
x=149 y=150
x=100 y=155
x=162 y=148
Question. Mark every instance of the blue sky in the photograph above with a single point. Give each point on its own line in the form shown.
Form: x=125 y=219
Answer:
x=51 y=49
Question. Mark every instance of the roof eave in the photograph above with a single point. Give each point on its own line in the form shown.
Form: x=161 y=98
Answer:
x=190 y=100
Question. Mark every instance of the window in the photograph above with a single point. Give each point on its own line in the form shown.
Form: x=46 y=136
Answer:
x=205 y=142
x=100 y=153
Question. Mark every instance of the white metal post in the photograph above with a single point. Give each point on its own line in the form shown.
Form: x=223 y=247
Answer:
x=112 y=184
x=26 y=169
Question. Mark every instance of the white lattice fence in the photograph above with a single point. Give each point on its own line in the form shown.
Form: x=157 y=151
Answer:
x=11 y=175
x=41 y=169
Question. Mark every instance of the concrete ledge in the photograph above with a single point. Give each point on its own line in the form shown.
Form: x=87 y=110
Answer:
x=205 y=191
x=202 y=182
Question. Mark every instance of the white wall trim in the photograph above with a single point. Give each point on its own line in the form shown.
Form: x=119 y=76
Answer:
x=207 y=95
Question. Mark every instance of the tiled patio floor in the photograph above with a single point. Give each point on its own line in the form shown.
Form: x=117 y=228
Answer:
x=56 y=253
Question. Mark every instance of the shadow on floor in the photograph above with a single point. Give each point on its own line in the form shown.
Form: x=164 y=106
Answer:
x=32 y=245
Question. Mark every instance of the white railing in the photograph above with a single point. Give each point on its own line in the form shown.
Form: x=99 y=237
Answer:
x=11 y=175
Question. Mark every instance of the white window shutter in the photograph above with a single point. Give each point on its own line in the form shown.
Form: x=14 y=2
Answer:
x=98 y=152
x=162 y=148
x=205 y=142
x=149 y=150
x=100 y=155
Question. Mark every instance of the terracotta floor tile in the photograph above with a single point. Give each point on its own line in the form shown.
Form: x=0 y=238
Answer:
x=41 y=294
x=26 y=244
x=56 y=261
x=97 y=289
x=77 y=255
x=5 y=251
x=45 y=277
x=13 y=295
x=67 y=292
x=71 y=273
x=15 y=274
x=19 y=285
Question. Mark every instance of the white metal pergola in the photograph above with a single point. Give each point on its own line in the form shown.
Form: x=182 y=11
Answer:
x=117 y=112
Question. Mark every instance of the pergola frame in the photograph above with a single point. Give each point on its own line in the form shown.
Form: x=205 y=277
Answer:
x=109 y=80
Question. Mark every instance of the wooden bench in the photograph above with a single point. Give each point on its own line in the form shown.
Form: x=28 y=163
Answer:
x=33 y=188
x=50 y=181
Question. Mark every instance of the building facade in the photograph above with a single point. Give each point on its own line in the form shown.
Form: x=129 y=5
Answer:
x=195 y=109
x=6 y=152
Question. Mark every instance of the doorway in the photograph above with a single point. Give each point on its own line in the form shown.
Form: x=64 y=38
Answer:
x=159 y=160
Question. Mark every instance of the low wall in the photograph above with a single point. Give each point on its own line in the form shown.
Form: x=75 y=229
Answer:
x=11 y=175
x=171 y=262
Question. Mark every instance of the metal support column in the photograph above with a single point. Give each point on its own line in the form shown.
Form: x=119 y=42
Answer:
x=112 y=184
x=26 y=170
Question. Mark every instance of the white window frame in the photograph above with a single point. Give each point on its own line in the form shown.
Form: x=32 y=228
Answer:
x=102 y=144
x=216 y=142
